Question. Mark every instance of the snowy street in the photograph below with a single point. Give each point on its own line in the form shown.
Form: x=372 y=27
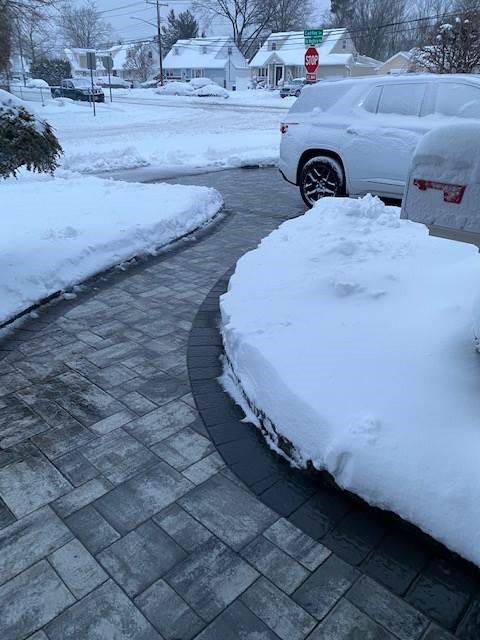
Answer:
x=165 y=132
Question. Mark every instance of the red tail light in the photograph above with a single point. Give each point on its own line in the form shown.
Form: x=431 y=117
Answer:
x=284 y=127
x=451 y=192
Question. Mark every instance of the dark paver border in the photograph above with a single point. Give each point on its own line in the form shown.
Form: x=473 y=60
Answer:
x=361 y=534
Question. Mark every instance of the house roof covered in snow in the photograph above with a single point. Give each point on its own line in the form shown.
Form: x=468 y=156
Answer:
x=288 y=48
x=203 y=53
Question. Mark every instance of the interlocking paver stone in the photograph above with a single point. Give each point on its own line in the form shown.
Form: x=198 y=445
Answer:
x=77 y=568
x=231 y=513
x=184 y=529
x=325 y=586
x=278 y=611
x=76 y=468
x=348 y=622
x=237 y=623
x=31 y=600
x=183 y=448
x=391 y=612
x=280 y=568
x=31 y=483
x=104 y=613
x=169 y=613
x=118 y=455
x=92 y=529
x=290 y=539
x=112 y=422
x=30 y=539
x=161 y=423
x=81 y=496
x=211 y=578
x=204 y=469
x=141 y=557
x=141 y=497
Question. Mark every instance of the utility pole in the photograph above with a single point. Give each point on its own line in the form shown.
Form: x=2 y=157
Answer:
x=21 y=52
x=159 y=35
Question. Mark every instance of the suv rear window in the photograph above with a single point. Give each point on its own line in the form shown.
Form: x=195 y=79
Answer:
x=321 y=95
x=403 y=99
x=458 y=99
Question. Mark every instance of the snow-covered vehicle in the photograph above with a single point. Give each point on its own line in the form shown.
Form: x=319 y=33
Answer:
x=198 y=83
x=211 y=91
x=175 y=89
x=78 y=89
x=37 y=83
x=292 y=87
x=149 y=84
x=358 y=136
x=115 y=82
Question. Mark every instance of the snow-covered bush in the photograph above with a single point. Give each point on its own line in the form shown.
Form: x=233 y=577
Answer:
x=25 y=140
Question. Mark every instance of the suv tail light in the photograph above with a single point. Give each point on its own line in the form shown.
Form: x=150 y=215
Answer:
x=451 y=192
x=284 y=127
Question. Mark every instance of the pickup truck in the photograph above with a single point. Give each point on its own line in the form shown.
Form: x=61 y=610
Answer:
x=78 y=89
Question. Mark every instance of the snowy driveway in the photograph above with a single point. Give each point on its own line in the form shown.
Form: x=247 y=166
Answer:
x=118 y=517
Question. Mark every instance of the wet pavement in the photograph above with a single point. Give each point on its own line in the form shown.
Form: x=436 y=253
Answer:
x=122 y=516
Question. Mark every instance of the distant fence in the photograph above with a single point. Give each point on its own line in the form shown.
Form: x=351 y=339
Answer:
x=32 y=94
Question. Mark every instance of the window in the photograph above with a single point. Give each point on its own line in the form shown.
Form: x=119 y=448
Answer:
x=176 y=51
x=150 y=55
x=458 y=99
x=371 y=101
x=274 y=46
x=320 y=96
x=403 y=99
x=204 y=50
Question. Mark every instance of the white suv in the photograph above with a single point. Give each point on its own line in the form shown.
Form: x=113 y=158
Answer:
x=357 y=136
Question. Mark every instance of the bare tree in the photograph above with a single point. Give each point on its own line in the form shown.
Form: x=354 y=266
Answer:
x=83 y=26
x=454 y=46
x=139 y=62
x=13 y=14
x=288 y=15
x=247 y=18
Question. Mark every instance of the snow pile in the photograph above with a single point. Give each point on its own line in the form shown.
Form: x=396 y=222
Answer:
x=169 y=138
x=351 y=330
x=57 y=232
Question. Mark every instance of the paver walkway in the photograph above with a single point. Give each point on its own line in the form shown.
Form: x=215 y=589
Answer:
x=118 y=518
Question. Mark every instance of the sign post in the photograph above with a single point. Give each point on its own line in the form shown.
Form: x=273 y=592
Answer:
x=92 y=64
x=108 y=64
x=311 y=63
x=313 y=36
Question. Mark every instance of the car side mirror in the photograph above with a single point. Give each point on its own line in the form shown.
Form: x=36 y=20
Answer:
x=443 y=188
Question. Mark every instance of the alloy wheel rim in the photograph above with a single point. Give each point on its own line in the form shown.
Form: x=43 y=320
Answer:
x=320 y=181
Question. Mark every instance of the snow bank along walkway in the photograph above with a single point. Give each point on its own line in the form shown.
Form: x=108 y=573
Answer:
x=122 y=516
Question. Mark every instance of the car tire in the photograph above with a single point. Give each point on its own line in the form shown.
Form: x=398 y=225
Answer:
x=321 y=177
x=297 y=93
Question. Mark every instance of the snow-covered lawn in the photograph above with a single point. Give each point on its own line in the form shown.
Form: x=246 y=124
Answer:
x=351 y=330
x=56 y=232
x=169 y=135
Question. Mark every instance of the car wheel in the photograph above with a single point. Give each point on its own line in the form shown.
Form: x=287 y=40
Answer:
x=297 y=93
x=321 y=177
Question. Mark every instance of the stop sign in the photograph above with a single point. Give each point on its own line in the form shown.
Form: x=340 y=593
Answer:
x=311 y=60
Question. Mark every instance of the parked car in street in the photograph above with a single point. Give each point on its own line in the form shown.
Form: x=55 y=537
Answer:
x=78 y=89
x=358 y=136
x=293 y=87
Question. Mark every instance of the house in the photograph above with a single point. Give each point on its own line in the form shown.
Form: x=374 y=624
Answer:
x=401 y=62
x=282 y=55
x=216 y=58
x=118 y=53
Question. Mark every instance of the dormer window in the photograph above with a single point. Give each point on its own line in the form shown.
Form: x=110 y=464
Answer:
x=204 y=50
x=176 y=51
x=274 y=46
x=344 y=44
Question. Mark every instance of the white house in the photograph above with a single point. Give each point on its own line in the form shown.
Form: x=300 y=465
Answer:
x=216 y=58
x=401 y=62
x=282 y=55
x=118 y=53
x=19 y=67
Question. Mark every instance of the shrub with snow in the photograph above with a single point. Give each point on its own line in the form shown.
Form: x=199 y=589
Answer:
x=25 y=140
x=37 y=83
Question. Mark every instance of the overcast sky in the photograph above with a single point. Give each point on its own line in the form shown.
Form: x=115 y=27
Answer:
x=125 y=16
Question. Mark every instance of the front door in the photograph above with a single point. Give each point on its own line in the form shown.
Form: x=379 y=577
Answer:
x=278 y=75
